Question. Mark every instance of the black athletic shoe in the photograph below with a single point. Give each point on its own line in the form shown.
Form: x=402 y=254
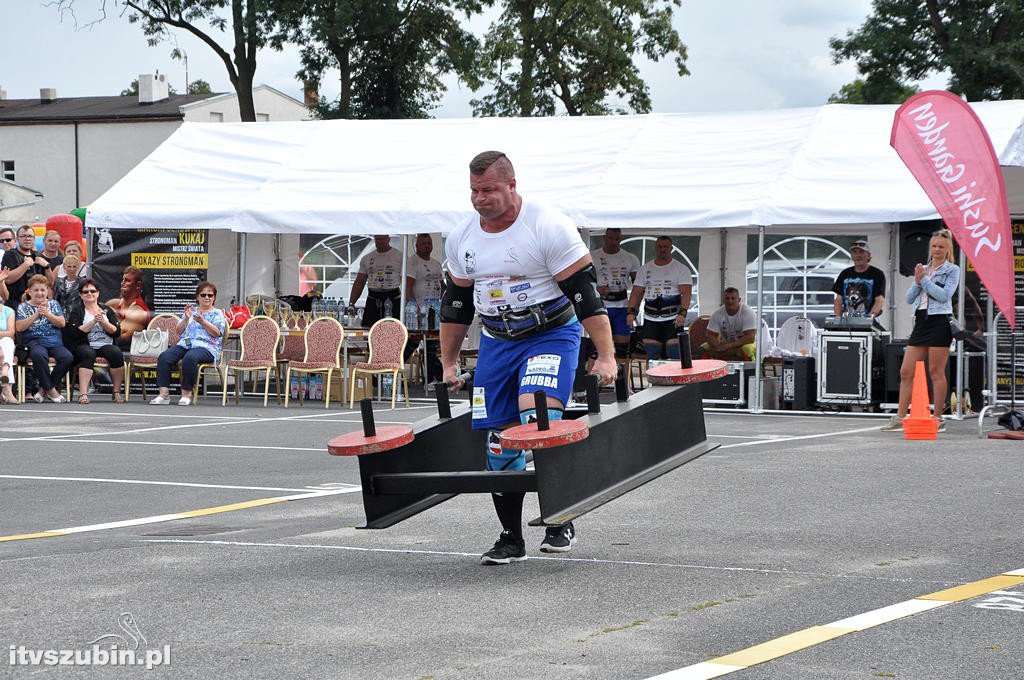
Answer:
x=506 y=549
x=558 y=539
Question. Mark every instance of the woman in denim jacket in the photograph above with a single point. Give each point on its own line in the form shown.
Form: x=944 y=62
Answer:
x=931 y=293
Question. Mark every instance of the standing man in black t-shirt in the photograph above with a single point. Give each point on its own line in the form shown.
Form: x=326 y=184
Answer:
x=22 y=263
x=860 y=289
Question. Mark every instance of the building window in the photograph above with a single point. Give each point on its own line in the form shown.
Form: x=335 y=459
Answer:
x=7 y=170
x=216 y=117
x=263 y=117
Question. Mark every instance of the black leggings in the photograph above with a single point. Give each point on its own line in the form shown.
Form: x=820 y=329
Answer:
x=85 y=356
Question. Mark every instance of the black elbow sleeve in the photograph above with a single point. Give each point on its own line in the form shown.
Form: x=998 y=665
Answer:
x=457 y=304
x=581 y=289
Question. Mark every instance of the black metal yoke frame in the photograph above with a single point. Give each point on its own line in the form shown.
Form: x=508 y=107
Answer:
x=631 y=443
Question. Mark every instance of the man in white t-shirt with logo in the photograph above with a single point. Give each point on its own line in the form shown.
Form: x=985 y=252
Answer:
x=732 y=330
x=423 y=277
x=524 y=269
x=424 y=284
x=665 y=286
x=381 y=273
x=616 y=271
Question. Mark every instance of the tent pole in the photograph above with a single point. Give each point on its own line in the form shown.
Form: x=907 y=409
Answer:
x=401 y=285
x=961 y=292
x=723 y=249
x=755 y=399
x=277 y=265
x=241 y=241
x=991 y=360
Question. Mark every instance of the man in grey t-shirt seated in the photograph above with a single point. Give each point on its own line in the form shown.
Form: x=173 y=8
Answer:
x=732 y=330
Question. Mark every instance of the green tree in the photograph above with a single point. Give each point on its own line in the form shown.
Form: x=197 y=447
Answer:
x=391 y=54
x=873 y=91
x=248 y=22
x=195 y=87
x=199 y=86
x=577 y=53
x=979 y=43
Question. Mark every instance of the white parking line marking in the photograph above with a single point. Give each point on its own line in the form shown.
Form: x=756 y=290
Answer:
x=779 y=440
x=156 y=483
x=583 y=560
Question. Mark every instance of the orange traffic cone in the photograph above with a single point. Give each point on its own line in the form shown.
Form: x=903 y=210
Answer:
x=920 y=424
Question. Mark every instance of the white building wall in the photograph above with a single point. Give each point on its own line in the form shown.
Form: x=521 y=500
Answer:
x=270 y=105
x=46 y=156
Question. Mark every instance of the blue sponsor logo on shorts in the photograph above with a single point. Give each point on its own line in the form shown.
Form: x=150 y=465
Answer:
x=521 y=286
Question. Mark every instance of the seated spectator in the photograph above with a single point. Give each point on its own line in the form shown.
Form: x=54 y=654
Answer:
x=39 y=322
x=92 y=329
x=67 y=286
x=7 y=355
x=74 y=248
x=202 y=332
x=732 y=330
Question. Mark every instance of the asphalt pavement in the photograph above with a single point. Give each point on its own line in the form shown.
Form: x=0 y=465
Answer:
x=222 y=542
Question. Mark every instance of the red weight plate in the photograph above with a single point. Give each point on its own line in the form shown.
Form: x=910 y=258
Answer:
x=355 y=444
x=529 y=437
x=702 y=371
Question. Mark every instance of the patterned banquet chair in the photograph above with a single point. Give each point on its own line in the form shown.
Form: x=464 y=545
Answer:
x=386 y=340
x=323 y=340
x=259 y=338
x=168 y=322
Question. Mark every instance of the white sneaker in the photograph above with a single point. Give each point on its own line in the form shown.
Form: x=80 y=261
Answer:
x=159 y=400
x=184 y=401
x=896 y=423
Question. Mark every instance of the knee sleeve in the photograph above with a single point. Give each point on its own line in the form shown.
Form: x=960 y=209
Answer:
x=672 y=350
x=500 y=459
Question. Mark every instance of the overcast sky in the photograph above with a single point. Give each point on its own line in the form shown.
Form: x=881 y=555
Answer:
x=743 y=54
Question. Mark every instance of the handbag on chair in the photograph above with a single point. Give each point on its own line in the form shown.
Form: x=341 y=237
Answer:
x=149 y=342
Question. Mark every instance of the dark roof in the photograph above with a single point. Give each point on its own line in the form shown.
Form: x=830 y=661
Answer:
x=71 y=109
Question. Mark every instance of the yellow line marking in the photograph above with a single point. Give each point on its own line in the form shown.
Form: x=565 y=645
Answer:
x=25 y=537
x=966 y=592
x=189 y=514
x=809 y=637
x=787 y=644
x=233 y=506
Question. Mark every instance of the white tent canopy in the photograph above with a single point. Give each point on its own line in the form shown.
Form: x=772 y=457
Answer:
x=811 y=166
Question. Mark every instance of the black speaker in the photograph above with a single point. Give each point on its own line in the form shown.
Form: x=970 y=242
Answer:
x=798 y=380
x=914 y=238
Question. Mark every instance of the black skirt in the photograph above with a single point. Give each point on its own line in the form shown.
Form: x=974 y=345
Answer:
x=930 y=330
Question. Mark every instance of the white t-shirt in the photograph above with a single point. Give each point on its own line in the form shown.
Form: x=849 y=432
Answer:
x=383 y=270
x=731 y=328
x=427 y=274
x=663 y=280
x=516 y=267
x=613 y=271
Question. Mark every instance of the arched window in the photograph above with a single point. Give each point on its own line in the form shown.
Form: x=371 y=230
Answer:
x=330 y=264
x=798 y=275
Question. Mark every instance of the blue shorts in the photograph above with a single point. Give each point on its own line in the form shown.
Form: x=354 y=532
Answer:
x=507 y=368
x=617 y=318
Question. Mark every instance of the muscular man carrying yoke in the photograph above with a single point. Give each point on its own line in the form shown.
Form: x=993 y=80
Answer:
x=524 y=268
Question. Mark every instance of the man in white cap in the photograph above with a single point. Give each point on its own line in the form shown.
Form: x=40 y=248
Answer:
x=860 y=289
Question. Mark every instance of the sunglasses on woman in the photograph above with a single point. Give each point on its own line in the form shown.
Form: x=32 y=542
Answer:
x=91 y=291
x=206 y=295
